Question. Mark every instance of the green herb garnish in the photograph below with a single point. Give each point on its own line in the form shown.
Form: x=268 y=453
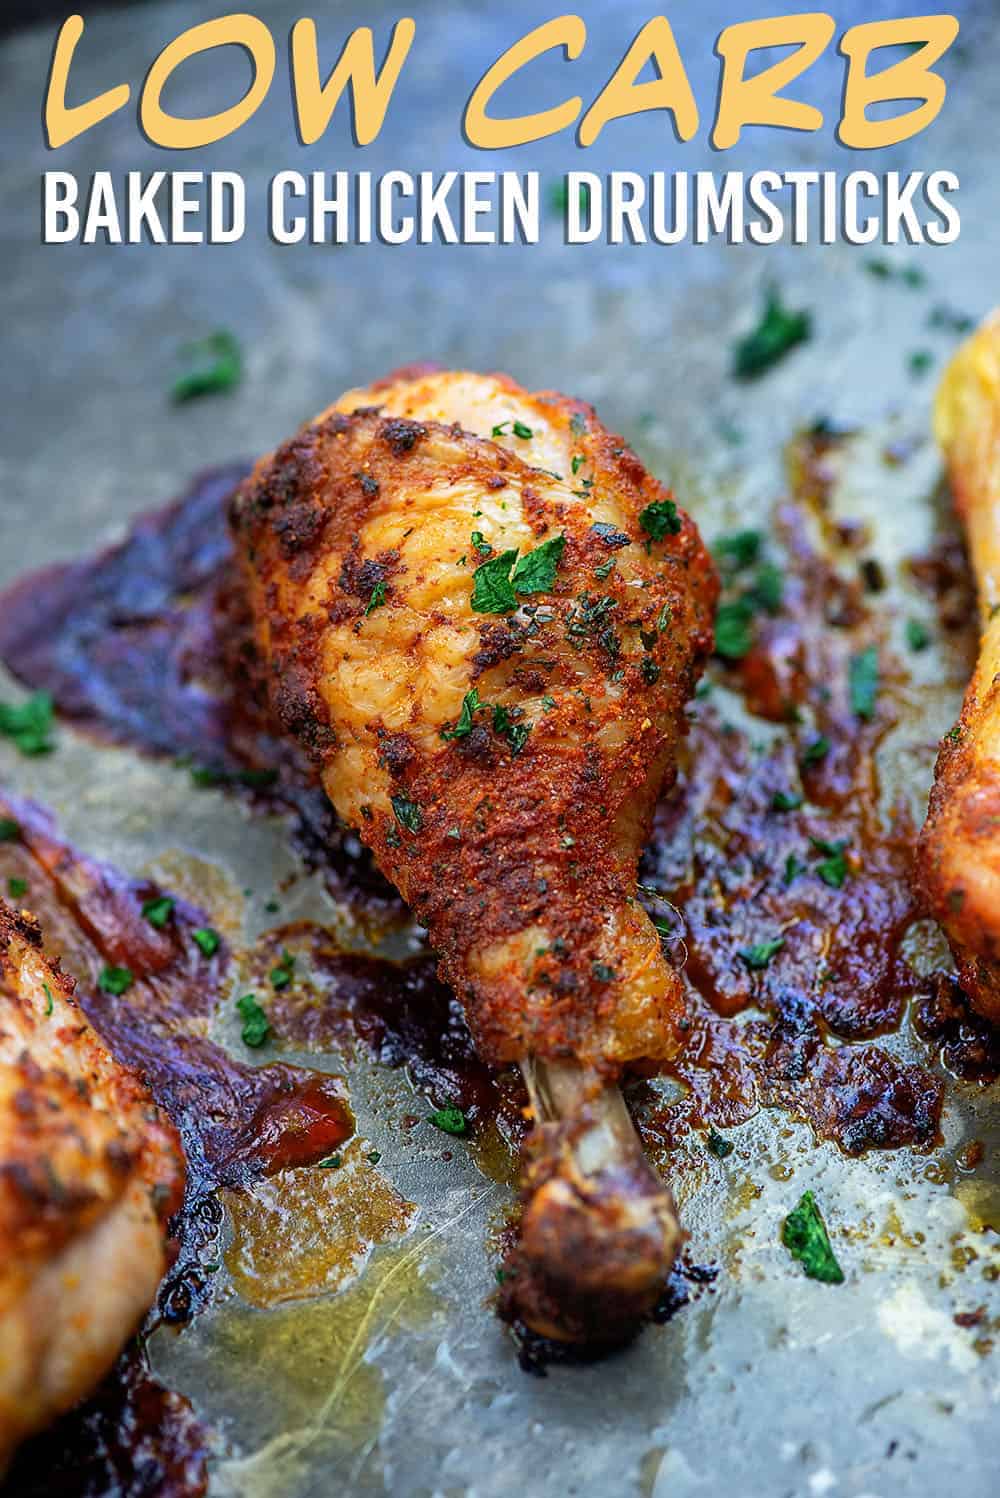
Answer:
x=660 y=519
x=374 y=1156
x=115 y=980
x=739 y=549
x=450 y=1120
x=917 y=635
x=862 y=682
x=282 y=975
x=786 y=801
x=158 y=911
x=256 y=1027
x=793 y=867
x=759 y=955
x=332 y=1162
x=10 y=830
x=804 y=1235
x=470 y=705
x=496 y=583
x=733 y=629
x=17 y=888
x=535 y=572
x=480 y=544
x=833 y=869
x=919 y=362
x=769 y=587
x=49 y=1001
x=206 y=940
x=816 y=752
x=776 y=334
x=717 y=1145
x=408 y=814
x=214 y=364
x=376 y=599
x=28 y=724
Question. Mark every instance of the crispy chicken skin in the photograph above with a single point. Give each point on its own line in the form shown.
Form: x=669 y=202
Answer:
x=960 y=843
x=89 y=1173
x=502 y=763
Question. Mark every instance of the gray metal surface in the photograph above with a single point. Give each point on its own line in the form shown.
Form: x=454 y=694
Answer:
x=404 y=1383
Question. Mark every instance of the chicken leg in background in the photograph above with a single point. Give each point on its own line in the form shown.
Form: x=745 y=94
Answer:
x=483 y=618
x=960 y=843
x=90 y=1171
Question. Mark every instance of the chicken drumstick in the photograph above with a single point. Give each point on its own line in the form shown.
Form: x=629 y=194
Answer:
x=90 y=1172
x=960 y=843
x=483 y=618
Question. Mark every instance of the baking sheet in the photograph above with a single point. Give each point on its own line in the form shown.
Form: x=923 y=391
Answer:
x=404 y=1382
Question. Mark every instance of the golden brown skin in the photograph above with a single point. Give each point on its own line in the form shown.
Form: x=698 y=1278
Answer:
x=515 y=839
x=960 y=842
x=90 y=1171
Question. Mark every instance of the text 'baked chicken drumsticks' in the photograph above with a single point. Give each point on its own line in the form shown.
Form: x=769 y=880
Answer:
x=483 y=618
x=90 y=1171
x=960 y=843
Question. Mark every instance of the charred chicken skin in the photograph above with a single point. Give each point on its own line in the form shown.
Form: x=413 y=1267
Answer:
x=89 y=1173
x=483 y=618
x=960 y=843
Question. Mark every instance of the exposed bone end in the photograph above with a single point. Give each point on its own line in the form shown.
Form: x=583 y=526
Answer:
x=599 y=1232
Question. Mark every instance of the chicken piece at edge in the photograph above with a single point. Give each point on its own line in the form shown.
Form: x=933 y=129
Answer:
x=959 y=847
x=90 y=1173
x=599 y=1231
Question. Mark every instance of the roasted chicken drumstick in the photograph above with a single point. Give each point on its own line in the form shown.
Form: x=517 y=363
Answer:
x=960 y=843
x=90 y=1171
x=483 y=619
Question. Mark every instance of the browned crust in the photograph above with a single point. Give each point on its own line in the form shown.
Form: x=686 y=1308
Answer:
x=53 y=1187
x=505 y=841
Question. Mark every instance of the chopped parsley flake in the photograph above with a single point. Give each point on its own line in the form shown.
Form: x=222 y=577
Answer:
x=815 y=752
x=778 y=331
x=332 y=1162
x=206 y=940
x=463 y=726
x=281 y=975
x=158 y=911
x=17 y=888
x=786 y=801
x=793 y=868
x=804 y=1235
x=919 y=362
x=449 y=1120
x=377 y=598
x=115 y=980
x=739 y=549
x=733 y=629
x=833 y=868
x=10 y=830
x=758 y=956
x=917 y=635
x=862 y=682
x=496 y=583
x=717 y=1145
x=535 y=572
x=649 y=670
x=482 y=546
x=28 y=724
x=214 y=364
x=408 y=813
x=660 y=519
x=49 y=1001
x=509 y=728
x=256 y=1026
